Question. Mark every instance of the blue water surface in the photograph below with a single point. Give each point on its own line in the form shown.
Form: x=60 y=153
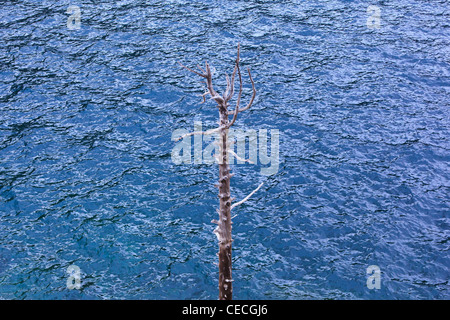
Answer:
x=87 y=177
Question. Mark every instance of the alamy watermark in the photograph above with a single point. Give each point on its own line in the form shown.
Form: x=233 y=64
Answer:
x=256 y=140
x=74 y=279
x=74 y=20
x=374 y=279
x=374 y=18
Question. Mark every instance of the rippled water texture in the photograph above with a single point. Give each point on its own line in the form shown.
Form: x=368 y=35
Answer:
x=87 y=178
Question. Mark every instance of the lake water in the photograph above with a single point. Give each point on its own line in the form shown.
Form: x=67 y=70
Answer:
x=87 y=110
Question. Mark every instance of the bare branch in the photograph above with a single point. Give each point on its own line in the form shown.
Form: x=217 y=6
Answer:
x=191 y=70
x=239 y=158
x=228 y=87
x=238 y=102
x=236 y=67
x=254 y=92
x=198 y=66
x=204 y=96
x=210 y=131
x=253 y=95
x=209 y=84
x=218 y=99
x=208 y=75
x=247 y=197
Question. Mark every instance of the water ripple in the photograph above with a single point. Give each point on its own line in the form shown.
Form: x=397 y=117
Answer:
x=86 y=176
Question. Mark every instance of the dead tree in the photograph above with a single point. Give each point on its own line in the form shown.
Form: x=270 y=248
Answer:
x=223 y=229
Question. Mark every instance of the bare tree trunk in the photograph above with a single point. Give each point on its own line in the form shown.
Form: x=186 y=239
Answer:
x=224 y=223
x=223 y=229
